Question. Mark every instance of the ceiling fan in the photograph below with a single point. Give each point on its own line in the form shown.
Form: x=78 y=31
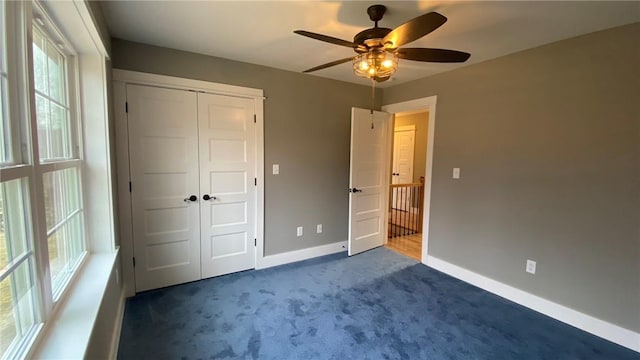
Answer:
x=378 y=49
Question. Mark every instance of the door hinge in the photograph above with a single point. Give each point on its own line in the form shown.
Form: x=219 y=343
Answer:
x=126 y=106
x=255 y=181
x=134 y=262
x=255 y=119
x=255 y=242
x=129 y=186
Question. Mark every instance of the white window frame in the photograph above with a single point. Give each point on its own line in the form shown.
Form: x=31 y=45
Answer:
x=46 y=26
x=20 y=165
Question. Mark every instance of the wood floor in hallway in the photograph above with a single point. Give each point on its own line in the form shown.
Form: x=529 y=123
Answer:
x=408 y=245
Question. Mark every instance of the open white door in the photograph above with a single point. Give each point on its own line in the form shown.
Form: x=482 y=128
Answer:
x=368 y=179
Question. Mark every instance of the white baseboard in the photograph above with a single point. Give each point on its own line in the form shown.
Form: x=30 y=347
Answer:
x=117 y=326
x=299 y=255
x=588 y=323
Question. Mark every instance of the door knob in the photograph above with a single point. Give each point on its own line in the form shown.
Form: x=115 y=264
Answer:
x=191 y=198
x=355 y=190
x=207 y=197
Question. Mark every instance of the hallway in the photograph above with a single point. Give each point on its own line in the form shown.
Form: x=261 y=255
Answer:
x=408 y=245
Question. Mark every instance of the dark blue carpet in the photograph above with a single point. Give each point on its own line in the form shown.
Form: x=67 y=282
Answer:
x=376 y=305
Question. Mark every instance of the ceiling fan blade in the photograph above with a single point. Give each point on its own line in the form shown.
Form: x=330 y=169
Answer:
x=433 y=55
x=324 y=66
x=326 y=38
x=413 y=29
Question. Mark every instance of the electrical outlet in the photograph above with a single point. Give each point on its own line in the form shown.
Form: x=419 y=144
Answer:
x=531 y=267
x=456 y=173
x=319 y=228
x=299 y=231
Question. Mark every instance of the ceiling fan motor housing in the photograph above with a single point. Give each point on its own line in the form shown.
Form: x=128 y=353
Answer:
x=370 y=34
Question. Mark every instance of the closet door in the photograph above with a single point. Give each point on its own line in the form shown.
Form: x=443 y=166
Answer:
x=163 y=150
x=228 y=194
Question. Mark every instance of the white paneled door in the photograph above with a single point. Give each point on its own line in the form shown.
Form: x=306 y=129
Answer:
x=193 y=172
x=368 y=180
x=403 y=152
x=163 y=148
x=227 y=174
x=402 y=169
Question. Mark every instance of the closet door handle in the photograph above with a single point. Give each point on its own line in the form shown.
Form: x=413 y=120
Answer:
x=191 y=198
x=206 y=197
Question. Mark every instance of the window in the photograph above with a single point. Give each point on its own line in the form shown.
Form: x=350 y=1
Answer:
x=61 y=173
x=18 y=291
x=18 y=294
x=52 y=105
x=65 y=226
x=41 y=204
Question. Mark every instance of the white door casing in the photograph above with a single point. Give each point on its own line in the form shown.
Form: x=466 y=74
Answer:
x=427 y=104
x=227 y=171
x=163 y=151
x=368 y=179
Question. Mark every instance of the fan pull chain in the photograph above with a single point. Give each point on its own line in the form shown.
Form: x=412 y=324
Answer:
x=373 y=99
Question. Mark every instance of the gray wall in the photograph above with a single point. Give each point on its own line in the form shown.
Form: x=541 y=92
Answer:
x=548 y=145
x=421 y=122
x=307 y=132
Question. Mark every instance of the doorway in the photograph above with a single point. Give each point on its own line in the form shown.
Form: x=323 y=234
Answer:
x=406 y=192
x=427 y=106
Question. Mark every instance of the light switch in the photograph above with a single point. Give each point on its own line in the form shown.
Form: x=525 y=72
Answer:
x=456 y=173
x=276 y=169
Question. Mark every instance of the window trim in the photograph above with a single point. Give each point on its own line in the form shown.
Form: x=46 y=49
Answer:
x=61 y=330
x=99 y=272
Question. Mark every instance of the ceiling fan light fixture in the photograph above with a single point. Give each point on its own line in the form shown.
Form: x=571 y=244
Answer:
x=376 y=63
x=378 y=48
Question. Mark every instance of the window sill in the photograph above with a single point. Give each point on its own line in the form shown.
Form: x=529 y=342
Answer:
x=67 y=334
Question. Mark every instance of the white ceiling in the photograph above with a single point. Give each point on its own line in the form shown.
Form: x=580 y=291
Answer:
x=261 y=32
